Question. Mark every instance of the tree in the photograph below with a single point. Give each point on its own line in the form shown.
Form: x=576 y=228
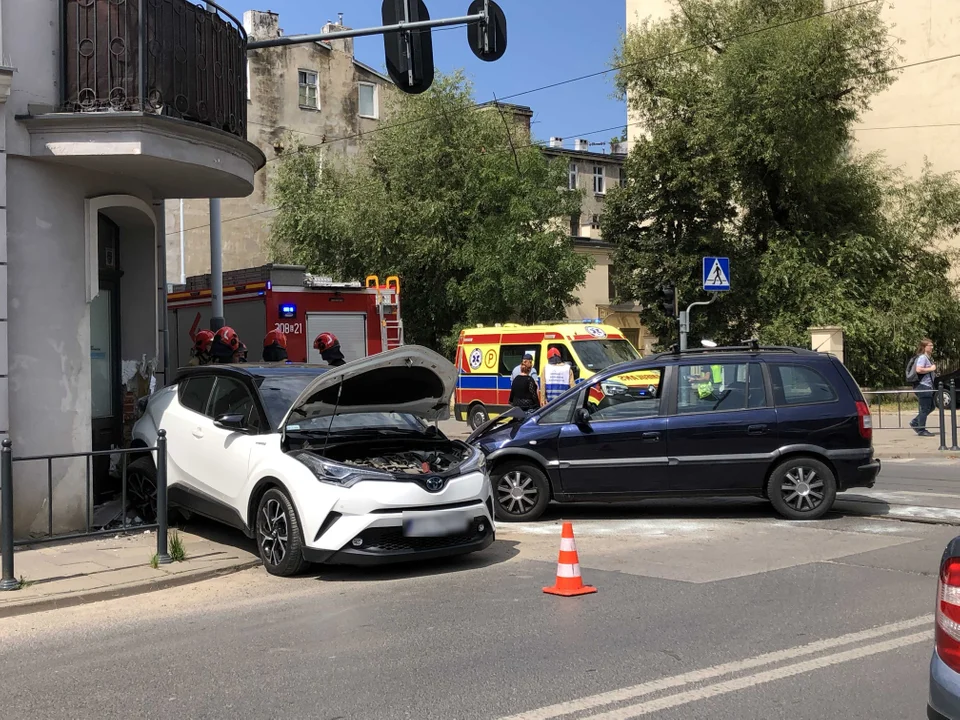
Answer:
x=748 y=107
x=455 y=200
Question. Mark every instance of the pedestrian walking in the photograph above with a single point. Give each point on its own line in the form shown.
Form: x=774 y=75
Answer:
x=527 y=362
x=922 y=368
x=524 y=391
x=557 y=376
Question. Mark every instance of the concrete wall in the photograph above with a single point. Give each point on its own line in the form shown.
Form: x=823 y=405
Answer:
x=637 y=11
x=275 y=121
x=595 y=292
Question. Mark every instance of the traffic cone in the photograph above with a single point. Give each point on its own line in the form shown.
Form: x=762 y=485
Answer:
x=569 y=583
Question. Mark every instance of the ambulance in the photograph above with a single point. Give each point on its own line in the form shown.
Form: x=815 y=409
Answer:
x=486 y=357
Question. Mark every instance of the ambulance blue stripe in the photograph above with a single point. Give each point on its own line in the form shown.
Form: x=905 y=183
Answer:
x=478 y=382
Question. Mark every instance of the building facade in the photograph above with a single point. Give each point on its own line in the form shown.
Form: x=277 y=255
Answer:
x=104 y=114
x=315 y=93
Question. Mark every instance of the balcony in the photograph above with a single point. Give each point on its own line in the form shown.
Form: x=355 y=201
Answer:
x=152 y=88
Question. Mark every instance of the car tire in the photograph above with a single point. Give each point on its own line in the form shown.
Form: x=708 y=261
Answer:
x=942 y=399
x=521 y=492
x=142 y=488
x=802 y=488
x=477 y=415
x=278 y=536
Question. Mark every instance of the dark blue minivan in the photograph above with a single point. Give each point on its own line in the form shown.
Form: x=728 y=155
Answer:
x=786 y=424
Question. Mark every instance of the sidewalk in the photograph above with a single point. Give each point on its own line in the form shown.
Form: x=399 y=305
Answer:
x=84 y=571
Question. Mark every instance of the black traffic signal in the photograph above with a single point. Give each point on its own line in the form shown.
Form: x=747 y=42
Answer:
x=409 y=54
x=668 y=298
x=488 y=40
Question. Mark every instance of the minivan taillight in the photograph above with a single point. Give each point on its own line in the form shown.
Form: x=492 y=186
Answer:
x=948 y=613
x=866 y=422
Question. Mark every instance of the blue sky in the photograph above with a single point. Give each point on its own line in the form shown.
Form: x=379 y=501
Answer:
x=548 y=41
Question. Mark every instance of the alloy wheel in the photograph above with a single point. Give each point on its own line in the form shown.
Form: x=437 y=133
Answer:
x=272 y=527
x=802 y=489
x=517 y=493
x=142 y=495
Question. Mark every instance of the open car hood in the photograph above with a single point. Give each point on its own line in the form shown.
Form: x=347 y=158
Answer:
x=410 y=379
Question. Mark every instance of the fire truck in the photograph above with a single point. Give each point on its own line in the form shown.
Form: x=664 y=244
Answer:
x=365 y=317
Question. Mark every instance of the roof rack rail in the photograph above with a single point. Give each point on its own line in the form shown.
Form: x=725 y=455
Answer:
x=751 y=347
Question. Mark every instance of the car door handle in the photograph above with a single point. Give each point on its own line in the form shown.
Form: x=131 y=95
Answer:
x=198 y=433
x=650 y=437
x=756 y=430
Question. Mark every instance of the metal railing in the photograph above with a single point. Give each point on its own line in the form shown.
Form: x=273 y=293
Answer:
x=162 y=57
x=8 y=543
x=944 y=399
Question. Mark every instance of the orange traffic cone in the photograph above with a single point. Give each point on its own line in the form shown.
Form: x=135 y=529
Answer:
x=569 y=583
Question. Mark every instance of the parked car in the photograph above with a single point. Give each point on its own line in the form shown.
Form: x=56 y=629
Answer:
x=786 y=424
x=943 y=702
x=321 y=464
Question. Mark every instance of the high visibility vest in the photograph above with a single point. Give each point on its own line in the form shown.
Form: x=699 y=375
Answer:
x=556 y=380
x=705 y=389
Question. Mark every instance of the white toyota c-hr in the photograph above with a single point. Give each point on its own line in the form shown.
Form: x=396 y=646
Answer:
x=320 y=464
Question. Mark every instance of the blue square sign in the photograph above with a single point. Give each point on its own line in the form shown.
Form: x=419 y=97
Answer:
x=716 y=274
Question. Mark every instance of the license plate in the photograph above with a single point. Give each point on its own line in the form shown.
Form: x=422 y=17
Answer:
x=434 y=524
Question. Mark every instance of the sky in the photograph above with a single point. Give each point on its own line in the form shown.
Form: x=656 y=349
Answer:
x=547 y=41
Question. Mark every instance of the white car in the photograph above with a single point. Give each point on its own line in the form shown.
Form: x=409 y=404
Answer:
x=319 y=464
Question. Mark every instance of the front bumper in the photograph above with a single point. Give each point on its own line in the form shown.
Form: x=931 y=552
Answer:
x=943 y=701
x=387 y=544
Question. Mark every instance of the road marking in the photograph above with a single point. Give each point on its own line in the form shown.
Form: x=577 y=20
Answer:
x=741 y=683
x=695 y=676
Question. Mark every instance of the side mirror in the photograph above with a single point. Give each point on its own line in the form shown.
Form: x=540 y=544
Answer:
x=237 y=423
x=582 y=417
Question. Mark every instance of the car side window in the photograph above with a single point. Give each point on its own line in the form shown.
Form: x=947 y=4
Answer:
x=626 y=396
x=231 y=397
x=194 y=392
x=800 y=385
x=756 y=390
x=561 y=414
x=712 y=387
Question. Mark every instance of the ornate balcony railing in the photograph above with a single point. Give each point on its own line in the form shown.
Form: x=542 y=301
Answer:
x=163 y=57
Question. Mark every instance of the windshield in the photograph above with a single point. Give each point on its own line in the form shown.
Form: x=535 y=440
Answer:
x=598 y=355
x=360 y=421
x=280 y=391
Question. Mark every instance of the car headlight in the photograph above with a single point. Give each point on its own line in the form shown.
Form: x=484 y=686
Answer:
x=335 y=473
x=477 y=462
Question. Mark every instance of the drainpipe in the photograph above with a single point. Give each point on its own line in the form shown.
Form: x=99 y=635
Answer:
x=216 y=253
x=183 y=264
x=6 y=82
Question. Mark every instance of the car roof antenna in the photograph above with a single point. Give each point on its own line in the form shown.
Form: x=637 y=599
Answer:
x=333 y=417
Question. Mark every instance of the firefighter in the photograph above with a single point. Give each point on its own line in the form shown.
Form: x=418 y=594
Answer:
x=240 y=356
x=226 y=346
x=200 y=352
x=275 y=347
x=329 y=349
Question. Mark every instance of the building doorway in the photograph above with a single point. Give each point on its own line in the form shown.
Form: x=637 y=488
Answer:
x=105 y=366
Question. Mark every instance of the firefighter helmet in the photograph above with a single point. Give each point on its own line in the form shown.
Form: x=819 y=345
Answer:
x=202 y=341
x=325 y=341
x=275 y=337
x=228 y=336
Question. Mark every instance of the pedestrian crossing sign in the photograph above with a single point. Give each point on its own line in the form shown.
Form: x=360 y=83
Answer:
x=716 y=274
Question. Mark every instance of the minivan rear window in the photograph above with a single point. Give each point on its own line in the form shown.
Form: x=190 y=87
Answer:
x=800 y=385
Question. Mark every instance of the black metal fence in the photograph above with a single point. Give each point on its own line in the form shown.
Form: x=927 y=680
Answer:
x=889 y=410
x=8 y=542
x=164 y=57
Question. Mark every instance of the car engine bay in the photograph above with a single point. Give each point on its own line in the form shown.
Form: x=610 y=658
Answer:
x=439 y=456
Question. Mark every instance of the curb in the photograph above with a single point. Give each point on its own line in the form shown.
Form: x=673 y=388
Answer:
x=66 y=600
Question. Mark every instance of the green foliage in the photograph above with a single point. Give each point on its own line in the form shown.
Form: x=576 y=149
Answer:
x=748 y=156
x=178 y=553
x=454 y=200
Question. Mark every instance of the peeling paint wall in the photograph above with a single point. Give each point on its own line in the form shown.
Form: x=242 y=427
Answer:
x=275 y=123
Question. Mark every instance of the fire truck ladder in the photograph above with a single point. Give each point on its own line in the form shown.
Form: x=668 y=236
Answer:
x=388 y=309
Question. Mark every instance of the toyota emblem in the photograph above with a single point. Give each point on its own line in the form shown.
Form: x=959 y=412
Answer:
x=433 y=484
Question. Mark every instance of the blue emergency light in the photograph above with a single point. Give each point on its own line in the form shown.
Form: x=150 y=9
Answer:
x=288 y=310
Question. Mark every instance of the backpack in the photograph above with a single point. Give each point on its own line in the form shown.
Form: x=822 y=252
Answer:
x=912 y=376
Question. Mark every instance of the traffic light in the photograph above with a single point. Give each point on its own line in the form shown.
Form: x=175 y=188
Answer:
x=668 y=298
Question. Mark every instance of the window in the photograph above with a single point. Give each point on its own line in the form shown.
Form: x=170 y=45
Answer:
x=575 y=225
x=561 y=414
x=716 y=387
x=594 y=222
x=511 y=355
x=308 y=89
x=756 y=391
x=195 y=391
x=598 y=355
x=231 y=397
x=800 y=385
x=623 y=177
x=369 y=108
x=572 y=176
x=626 y=396
x=278 y=393
x=598 y=185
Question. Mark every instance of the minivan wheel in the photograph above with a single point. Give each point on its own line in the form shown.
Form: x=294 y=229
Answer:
x=942 y=399
x=476 y=416
x=802 y=488
x=520 y=492
x=278 y=534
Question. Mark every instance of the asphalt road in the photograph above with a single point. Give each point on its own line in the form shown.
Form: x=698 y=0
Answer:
x=702 y=611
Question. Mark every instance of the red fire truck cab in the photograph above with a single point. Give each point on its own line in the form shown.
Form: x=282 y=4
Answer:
x=365 y=317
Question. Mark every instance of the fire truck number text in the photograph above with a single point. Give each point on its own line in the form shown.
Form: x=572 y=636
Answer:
x=290 y=328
